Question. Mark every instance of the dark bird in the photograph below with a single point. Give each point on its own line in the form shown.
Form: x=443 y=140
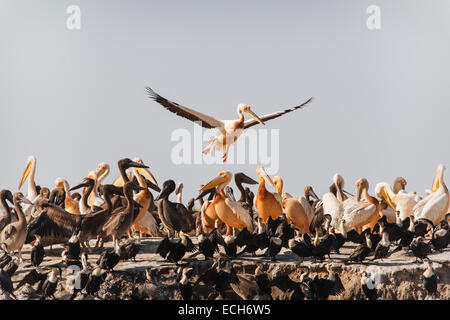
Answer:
x=174 y=216
x=96 y=278
x=108 y=259
x=301 y=249
x=382 y=249
x=174 y=250
x=37 y=252
x=338 y=241
x=208 y=244
x=430 y=282
x=184 y=285
x=6 y=218
x=50 y=284
x=324 y=287
x=420 y=249
x=275 y=245
x=368 y=287
x=362 y=251
x=5 y=283
x=130 y=250
x=230 y=246
x=322 y=246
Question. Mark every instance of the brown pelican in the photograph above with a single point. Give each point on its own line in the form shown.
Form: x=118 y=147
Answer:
x=173 y=215
x=120 y=222
x=230 y=130
x=6 y=219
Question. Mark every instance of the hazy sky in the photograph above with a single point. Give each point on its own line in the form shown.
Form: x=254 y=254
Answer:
x=74 y=98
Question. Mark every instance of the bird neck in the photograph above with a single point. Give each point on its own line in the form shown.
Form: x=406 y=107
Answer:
x=6 y=207
x=19 y=211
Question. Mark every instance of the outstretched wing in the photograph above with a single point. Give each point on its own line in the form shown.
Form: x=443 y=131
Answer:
x=251 y=123
x=185 y=112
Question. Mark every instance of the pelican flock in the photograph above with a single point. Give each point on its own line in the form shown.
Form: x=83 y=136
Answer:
x=99 y=227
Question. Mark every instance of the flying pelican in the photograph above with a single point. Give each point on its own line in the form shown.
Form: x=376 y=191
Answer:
x=268 y=203
x=226 y=208
x=230 y=130
x=434 y=206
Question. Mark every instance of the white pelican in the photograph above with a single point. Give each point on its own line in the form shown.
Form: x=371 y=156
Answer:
x=333 y=202
x=401 y=201
x=227 y=209
x=434 y=206
x=30 y=171
x=230 y=130
x=268 y=203
x=362 y=213
x=99 y=175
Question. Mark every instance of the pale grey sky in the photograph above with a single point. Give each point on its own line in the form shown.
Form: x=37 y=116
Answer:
x=76 y=98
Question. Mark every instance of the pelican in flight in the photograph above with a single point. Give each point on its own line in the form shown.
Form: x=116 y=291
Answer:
x=229 y=130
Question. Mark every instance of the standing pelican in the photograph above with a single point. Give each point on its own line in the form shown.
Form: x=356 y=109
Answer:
x=299 y=211
x=268 y=204
x=226 y=207
x=71 y=205
x=434 y=206
x=30 y=171
x=401 y=201
x=144 y=198
x=365 y=213
x=98 y=175
x=230 y=130
x=15 y=234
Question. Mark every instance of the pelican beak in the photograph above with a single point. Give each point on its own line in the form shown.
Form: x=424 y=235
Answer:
x=387 y=198
x=118 y=182
x=313 y=194
x=25 y=174
x=205 y=192
x=179 y=189
x=214 y=182
x=78 y=186
x=147 y=174
x=153 y=186
x=27 y=201
x=263 y=174
x=101 y=171
x=435 y=185
x=250 y=113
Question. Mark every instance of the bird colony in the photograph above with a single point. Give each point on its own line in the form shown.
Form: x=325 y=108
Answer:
x=64 y=241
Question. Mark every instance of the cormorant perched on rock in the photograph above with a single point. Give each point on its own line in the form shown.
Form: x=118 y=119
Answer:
x=37 y=252
x=420 y=249
x=368 y=287
x=174 y=250
x=430 y=282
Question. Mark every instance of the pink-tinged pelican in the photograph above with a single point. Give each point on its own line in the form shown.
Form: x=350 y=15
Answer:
x=268 y=203
x=229 y=130
x=71 y=205
x=226 y=208
x=435 y=205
